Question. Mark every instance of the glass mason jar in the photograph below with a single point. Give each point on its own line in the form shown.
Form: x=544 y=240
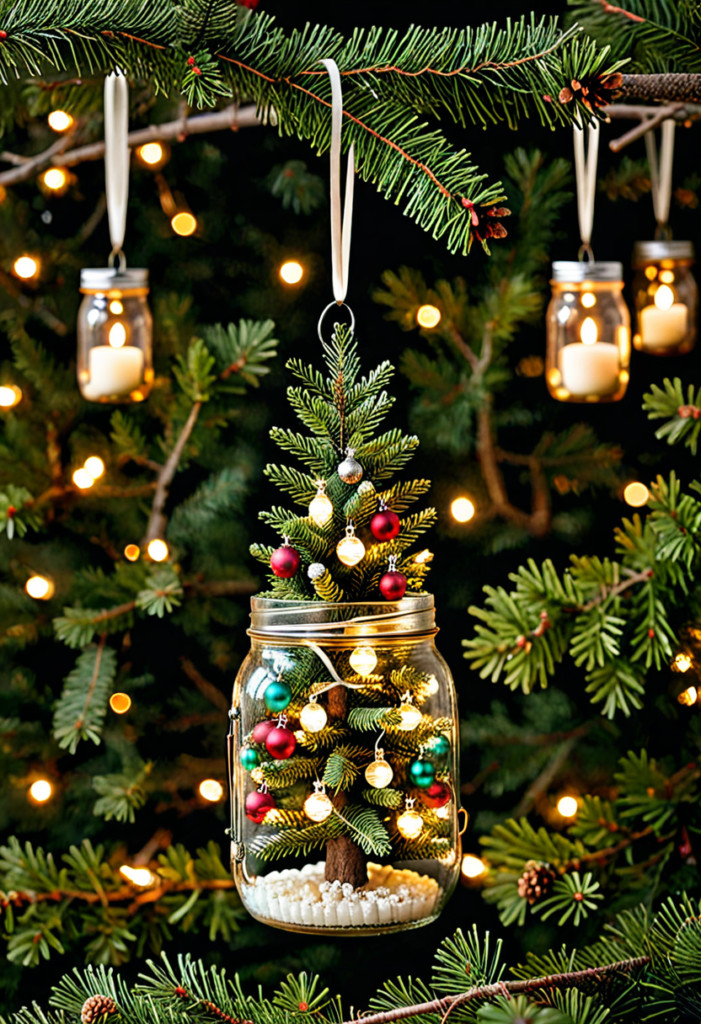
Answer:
x=344 y=762
x=115 y=361
x=666 y=297
x=588 y=330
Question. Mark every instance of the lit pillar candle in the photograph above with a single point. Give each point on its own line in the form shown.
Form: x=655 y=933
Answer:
x=663 y=324
x=114 y=369
x=589 y=367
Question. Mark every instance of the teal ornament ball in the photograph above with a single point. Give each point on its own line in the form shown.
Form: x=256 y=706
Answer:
x=439 y=746
x=422 y=773
x=277 y=696
x=249 y=758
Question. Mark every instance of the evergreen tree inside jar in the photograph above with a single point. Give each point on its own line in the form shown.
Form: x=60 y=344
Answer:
x=344 y=721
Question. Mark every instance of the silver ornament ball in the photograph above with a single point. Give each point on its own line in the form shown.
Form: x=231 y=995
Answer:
x=316 y=570
x=350 y=470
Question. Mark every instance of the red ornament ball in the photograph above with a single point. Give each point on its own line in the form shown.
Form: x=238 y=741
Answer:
x=384 y=525
x=260 y=731
x=393 y=585
x=258 y=805
x=285 y=561
x=280 y=742
x=436 y=795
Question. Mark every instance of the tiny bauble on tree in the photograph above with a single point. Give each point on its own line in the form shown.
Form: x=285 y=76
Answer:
x=258 y=804
x=280 y=741
x=285 y=561
x=385 y=524
x=350 y=470
x=393 y=583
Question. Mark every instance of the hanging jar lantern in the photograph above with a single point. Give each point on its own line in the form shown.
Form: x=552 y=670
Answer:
x=115 y=362
x=588 y=330
x=666 y=297
x=114 y=336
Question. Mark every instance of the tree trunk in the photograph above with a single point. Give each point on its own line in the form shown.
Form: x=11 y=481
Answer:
x=345 y=861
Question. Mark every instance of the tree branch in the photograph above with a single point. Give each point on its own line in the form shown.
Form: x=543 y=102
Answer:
x=157 y=520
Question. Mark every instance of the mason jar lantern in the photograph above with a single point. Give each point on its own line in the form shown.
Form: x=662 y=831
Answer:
x=666 y=297
x=588 y=333
x=344 y=822
x=115 y=362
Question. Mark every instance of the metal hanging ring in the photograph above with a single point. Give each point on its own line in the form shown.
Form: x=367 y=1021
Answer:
x=325 y=311
x=117 y=254
x=663 y=233
x=585 y=250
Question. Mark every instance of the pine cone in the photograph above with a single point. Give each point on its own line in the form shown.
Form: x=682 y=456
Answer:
x=594 y=92
x=96 y=1007
x=535 y=882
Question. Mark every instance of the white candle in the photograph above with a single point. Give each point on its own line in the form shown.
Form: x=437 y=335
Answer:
x=113 y=371
x=590 y=369
x=663 y=328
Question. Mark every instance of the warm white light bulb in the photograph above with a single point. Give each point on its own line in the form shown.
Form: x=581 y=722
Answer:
x=432 y=686
x=428 y=316
x=589 y=332
x=83 y=479
x=682 y=663
x=410 y=823
x=312 y=717
x=150 y=153
x=318 y=806
x=59 y=120
x=664 y=297
x=462 y=510
x=636 y=494
x=138 y=876
x=688 y=696
x=25 y=267
x=320 y=508
x=157 y=550
x=55 y=179
x=117 y=334
x=212 y=790
x=10 y=395
x=94 y=466
x=567 y=806
x=379 y=773
x=350 y=549
x=588 y=300
x=410 y=717
x=184 y=223
x=363 y=660
x=41 y=791
x=40 y=588
x=473 y=867
x=291 y=272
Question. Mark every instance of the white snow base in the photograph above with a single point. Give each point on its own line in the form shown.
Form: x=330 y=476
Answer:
x=301 y=896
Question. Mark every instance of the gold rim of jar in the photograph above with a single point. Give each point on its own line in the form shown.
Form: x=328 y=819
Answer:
x=116 y=293
x=371 y=639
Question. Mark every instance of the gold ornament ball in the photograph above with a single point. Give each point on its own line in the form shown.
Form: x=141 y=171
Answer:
x=320 y=510
x=363 y=660
x=312 y=717
x=350 y=550
x=410 y=823
x=379 y=774
x=318 y=806
x=411 y=716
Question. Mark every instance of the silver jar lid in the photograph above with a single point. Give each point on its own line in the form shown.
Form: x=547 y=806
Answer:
x=575 y=271
x=108 y=278
x=662 y=250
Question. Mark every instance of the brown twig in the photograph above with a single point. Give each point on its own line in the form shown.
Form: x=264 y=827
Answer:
x=550 y=981
x=126 y=894
x=210 y=691
x=157 y=520
x=632 y=578
x=543 y=781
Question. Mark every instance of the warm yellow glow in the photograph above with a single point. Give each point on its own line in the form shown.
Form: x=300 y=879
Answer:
x=432 y=685
x=428 y=316
x=40 y=588
x=410 y=717
x=410 y=823
x=117 y=335
x=151 y=153
x=320 y=508
x=379 y=773
x=212 y=790
x=41 y=791
x=666 y=276
x=363 y=660
x=423 y=557
x=25 y=267
x=635 y=494
x=10 y=395
x=589 y=332
x=132 y=552
x=184 y=223
x=473 y=867
x=312 y=717
x=682 y=663
x=318 y=806
x=116 y=307
x=688 y=696
x=664 y=297
x=291 y=272
x=157 y=550
x=588 y=299
x=443 y=812
x=651 y=273
x=55 y=178
x=462 y=510
x=350 y=550
x=120 y=703
x=94 y=466
x=567 y=806
x=59 y=120
x=83 y=479
x=138 y=876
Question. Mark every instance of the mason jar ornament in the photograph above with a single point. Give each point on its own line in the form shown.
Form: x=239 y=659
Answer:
x=665 y=296
x=588 y=333
x=403 y=871
x=115 y=361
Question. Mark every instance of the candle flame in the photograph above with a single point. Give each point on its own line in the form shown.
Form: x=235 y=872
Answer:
x=117 y=335
x=664 y=297
x=589 y=332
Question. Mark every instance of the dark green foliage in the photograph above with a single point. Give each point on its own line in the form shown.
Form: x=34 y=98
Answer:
x=658 y=35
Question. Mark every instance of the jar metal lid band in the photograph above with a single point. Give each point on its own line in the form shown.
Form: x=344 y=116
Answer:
x=306 y=628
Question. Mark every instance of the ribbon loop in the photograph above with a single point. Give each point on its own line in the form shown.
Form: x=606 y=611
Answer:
x=116 y=101
x=585 y=171
x=661 y=171
x=340 y=222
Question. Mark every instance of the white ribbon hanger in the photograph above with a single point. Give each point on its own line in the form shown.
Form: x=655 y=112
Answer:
x=585 y=171
x=340 y=221
x=661 y=172
x=116 y=100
